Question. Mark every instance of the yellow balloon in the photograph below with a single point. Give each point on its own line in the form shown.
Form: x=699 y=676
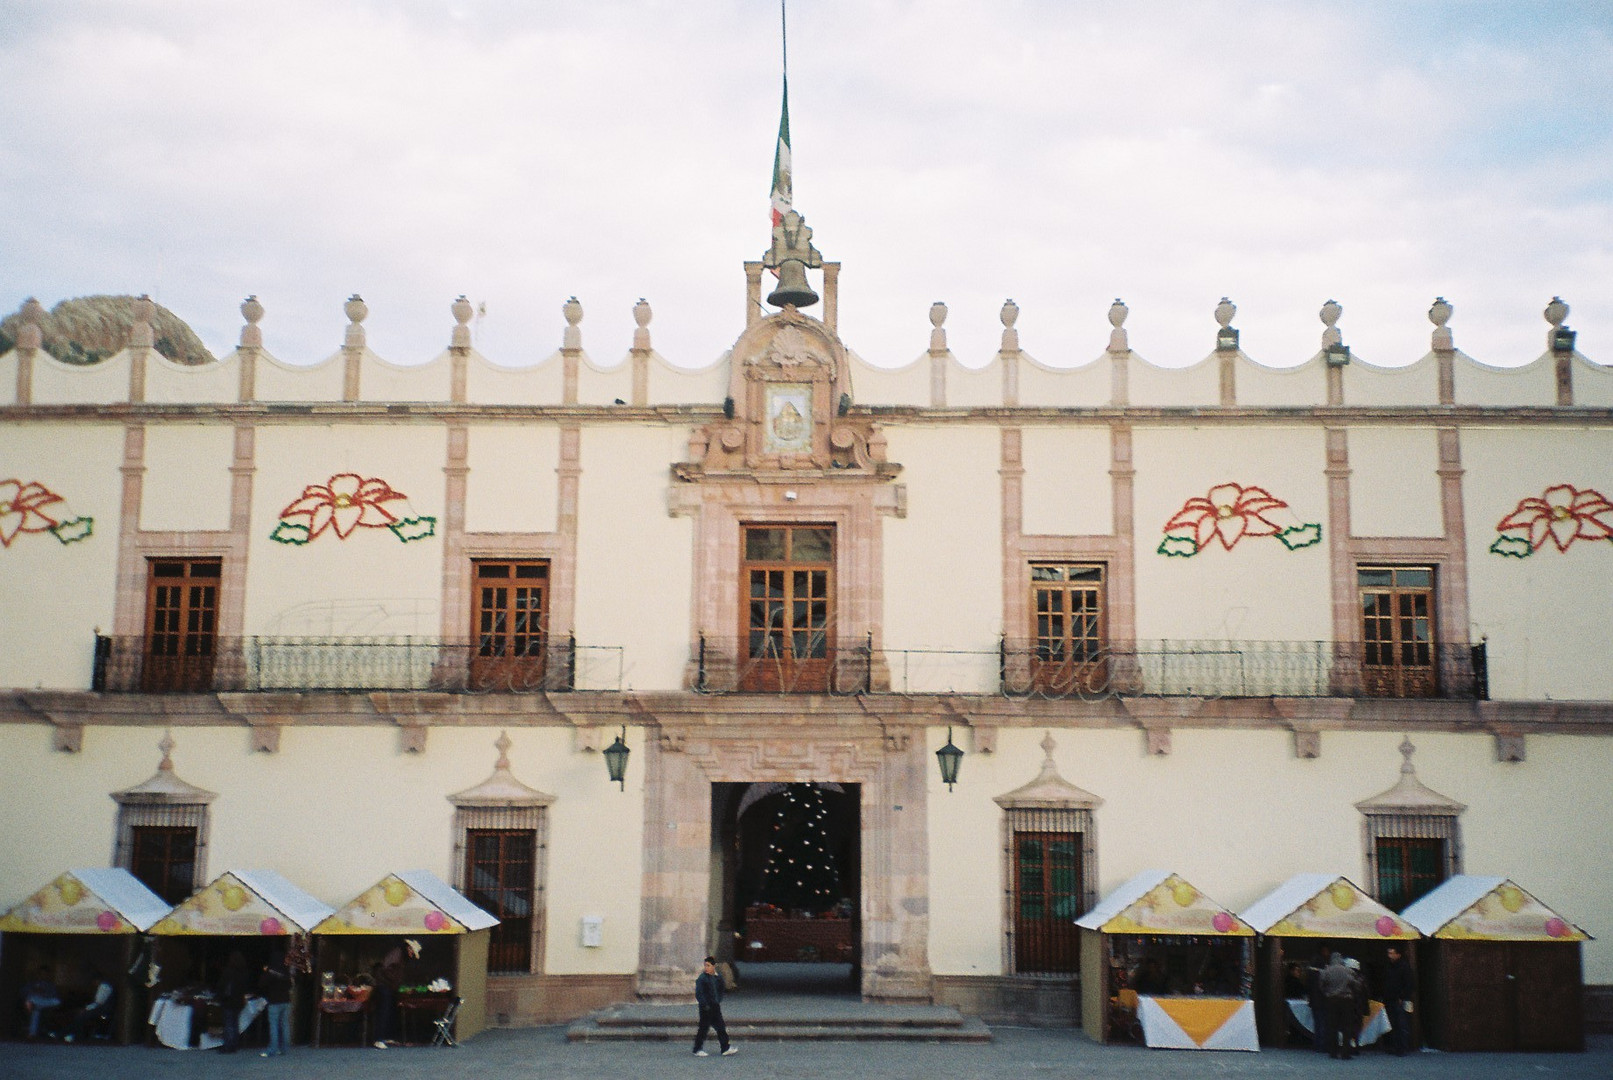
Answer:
x=1184 y=894
x=234 y=897
x=1343 y=896
x=71 y=891
x=396 y=892
x=1511 y=897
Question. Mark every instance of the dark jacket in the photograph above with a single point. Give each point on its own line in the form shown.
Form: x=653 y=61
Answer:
x=1397 y=981
x=708 y=991
x=233 y=986
x=275 y=985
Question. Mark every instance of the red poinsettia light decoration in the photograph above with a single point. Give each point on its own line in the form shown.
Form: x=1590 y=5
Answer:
x=348 y=502
x=22 y=509
x=1229 y=513
x=345 y=503
x=1562 y=515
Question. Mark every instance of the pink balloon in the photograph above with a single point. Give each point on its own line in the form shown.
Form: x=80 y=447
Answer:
x=1556 y=927
x=1222 y=922
x=434 y=921
x=107 y=921
x=1386 y=926
x=270 y=927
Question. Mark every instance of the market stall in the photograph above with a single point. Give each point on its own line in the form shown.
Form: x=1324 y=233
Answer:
x=417 y=920
x=1294 y=921
x=1500 y=970
x=257 y=913
x=84 y=926
x=1163 y=964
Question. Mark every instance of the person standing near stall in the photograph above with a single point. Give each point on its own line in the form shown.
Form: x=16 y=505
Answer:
x=1397 y=991
x=388 y=978
x=1338 y=1001
x=232 y=989
x=275 y=986
x=1324 y=954
x=708 y=996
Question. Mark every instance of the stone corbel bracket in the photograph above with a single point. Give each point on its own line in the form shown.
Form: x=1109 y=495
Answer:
x=1307 y=717
x=1509 y=737
x=1158 y=716
x=66 y=736
x=266 y=736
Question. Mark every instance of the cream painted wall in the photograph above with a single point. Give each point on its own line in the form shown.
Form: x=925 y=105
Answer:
x=1259 y=590
x=1091 y=384
x=1257 y=384
x=370 y=583
x=1414 y=384
x=54 y=595
x=1236 y=814
x=277 y=381
x=943 y=563
x=1394 y=482
x=170 y=382
x=512 y=486
x=8 y=378
x=906 y=385
x=974 y=386
x=1067 y=487
x=1593 y=383
x=1148 y=384
x=1546 y=616
x=487 y=383
x=335 y=810
x=56 y=383
x=379 y=380
x=1478 y=383
x=673 y=385
x=187 y=481
x=634 y=561
x=602 y=384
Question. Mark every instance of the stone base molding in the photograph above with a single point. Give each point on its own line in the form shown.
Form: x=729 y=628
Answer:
x=536 y=1000
x=1021 y=1000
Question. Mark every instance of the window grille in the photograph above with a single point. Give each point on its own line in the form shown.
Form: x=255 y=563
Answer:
x=1409 y=854
x=164 y=845
x=500 y=857
x=1050 y=870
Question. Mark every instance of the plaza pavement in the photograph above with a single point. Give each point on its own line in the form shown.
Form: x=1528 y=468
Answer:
x=544 y=1054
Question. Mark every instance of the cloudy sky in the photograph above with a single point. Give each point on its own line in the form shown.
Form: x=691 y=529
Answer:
x=1060 y=152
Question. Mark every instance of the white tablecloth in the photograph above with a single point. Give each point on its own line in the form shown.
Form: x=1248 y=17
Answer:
x=1374 y=1028
x=172 y=1023
x=1161 y=1029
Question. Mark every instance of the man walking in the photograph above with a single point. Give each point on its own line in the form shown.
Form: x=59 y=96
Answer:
x=708 y=995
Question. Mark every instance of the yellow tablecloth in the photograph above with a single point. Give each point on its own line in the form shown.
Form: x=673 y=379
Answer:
x=1198 y=1023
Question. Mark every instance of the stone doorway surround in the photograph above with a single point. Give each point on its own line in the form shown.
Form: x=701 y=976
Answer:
x=889 y=767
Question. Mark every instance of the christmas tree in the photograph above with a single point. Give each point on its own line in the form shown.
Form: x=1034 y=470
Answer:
x=799 y=873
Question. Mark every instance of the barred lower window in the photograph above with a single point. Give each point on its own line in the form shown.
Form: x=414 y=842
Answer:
x=1051 y=882
x=164 y=846
x=501 y=856
x=1409 y=855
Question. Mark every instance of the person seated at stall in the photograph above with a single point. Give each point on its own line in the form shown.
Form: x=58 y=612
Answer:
x=98 y=1011
x=38 y=999
x=1294 y=981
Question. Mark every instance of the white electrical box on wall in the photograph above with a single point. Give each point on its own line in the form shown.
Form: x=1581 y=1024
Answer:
x=593 y=931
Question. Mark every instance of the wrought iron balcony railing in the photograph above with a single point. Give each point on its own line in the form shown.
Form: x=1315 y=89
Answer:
x=1215 y=669
x=199 y=665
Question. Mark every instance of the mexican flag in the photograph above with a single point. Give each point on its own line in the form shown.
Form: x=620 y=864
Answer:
x=783 y=194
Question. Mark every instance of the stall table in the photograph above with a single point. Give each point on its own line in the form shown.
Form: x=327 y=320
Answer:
x=342 y=1007
x=1198 y=1023
x=181 y=1023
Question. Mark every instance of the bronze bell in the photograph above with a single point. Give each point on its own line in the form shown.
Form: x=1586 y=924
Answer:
x=792 y=286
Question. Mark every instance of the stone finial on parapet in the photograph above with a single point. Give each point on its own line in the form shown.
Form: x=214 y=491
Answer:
x=570 y=351
x=938 y=333
x=1009 y=352
x=641 y=351
x=938 y=354
x=1009 y=316
x=1332 y=336
x=1560 y=340
x=1226 y=337
x=1439 y=315
x=1118 y=342
x=31 y=335
x=140 y=335
x=251 y=332
x=572 y=310
x=357 y=311
x=462 y=311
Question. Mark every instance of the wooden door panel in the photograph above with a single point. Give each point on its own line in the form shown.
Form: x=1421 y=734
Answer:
x=1478 y=1012
x=1551 y=1012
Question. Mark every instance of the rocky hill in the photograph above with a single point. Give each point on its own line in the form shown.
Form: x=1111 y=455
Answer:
x=88 y=329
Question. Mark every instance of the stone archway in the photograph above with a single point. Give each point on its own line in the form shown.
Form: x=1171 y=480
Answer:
x=894 y=890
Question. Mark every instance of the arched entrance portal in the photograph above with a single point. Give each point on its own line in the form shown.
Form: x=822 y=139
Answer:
x=786 y=888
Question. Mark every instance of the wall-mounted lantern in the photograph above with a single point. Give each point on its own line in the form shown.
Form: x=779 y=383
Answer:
x=616 y=760
x=949 y=757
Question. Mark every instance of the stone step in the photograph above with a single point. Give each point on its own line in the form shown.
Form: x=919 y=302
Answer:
x=775 y=1020
x=969 y=1031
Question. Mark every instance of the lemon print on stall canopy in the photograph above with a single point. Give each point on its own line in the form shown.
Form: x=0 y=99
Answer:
x=396 y=892
x=1343 y=896
x=1184 y=894
x=233 y=896
x=1511 y=897
x=71 y=891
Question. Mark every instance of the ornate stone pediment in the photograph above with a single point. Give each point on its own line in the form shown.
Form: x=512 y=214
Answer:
x=789 y=395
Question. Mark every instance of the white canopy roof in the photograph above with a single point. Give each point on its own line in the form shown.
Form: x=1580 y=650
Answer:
x=1123 y=896
x=302 y=909
x=1266 y=912
x=449 y=899
x=1449 y=900
x=125 y=894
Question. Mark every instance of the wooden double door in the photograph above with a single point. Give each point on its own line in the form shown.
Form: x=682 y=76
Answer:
x=1506 y=995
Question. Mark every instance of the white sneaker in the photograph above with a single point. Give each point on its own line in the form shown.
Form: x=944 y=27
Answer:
x=701 y=1053
x=731 y=1051
x=380 y=1044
